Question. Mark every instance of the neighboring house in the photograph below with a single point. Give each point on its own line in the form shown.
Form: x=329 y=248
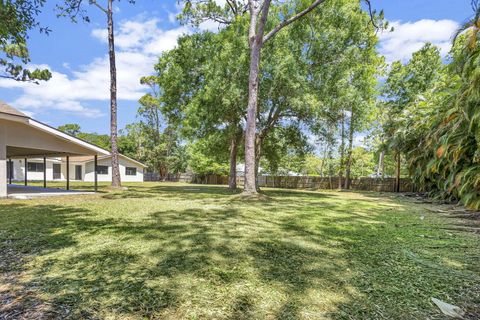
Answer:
x=81 y=169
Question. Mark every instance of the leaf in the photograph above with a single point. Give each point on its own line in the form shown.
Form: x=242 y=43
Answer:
x=440 y=151
x=449 y=309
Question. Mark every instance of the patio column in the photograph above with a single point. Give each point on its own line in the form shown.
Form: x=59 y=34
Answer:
x=10 y=169
x=95 y=174
x=68 y=173
x=44 y=172
x=3 y=163
x=25 y=176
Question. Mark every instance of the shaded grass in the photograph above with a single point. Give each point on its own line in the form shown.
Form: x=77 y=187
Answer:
x=176 y=251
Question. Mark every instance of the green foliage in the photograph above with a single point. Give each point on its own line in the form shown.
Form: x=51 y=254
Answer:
x=285 y=150
x=70 y=128
x=155 y=142
x=101 y=140
x=203 y=89
x=437 y=120
x=207 y=156
x=17 y=17
x=309 y=71
x=363 y=164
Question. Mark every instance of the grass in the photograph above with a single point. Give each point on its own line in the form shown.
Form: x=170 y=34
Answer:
x=175 y=251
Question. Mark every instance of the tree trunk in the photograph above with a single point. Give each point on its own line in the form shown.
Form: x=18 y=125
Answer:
x=256 y=40
x=322 y=165
x=381 y=165
x=330 y=169
x=397 y=182
x=350 y=149
x=250 y=132
x=342 y=152
x=116 y=182
x=232 y=177
x=258 y=155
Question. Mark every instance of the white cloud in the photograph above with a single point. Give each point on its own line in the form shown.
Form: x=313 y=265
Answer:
x=138 y=43
x=210 y=25
x=411 y=36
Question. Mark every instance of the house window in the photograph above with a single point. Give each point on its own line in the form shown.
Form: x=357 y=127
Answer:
x=102 y=169
x=130 y=171
x=35 y=167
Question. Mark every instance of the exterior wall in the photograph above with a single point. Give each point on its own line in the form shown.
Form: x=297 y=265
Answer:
x=3 y=164
x=90 y=176
x=87 y=170
x=71 y=172
x=19 y=170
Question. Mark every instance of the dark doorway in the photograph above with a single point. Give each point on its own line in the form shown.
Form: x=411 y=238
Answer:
x=57 y=171
x=78 y=172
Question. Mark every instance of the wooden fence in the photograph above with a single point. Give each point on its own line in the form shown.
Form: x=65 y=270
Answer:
x=290 y=182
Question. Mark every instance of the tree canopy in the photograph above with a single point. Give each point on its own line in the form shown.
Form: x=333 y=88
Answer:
x=17 y=17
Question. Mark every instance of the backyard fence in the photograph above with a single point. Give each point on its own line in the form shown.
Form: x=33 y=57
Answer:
x=174 y=177
x=291 y=182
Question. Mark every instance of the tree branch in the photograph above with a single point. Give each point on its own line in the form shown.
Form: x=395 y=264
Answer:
x=370 y=11
x=285 y=23
x=95 y=3
x=233 y=7
x=263 y=19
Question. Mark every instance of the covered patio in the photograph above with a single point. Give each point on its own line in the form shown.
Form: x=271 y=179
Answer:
x=22 y=137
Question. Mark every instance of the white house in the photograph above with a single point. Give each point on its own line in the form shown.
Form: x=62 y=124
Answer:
x=32 y=150
x=22 y=137
x=81 y=169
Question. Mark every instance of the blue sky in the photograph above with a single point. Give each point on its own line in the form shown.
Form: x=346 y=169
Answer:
x=76 y=55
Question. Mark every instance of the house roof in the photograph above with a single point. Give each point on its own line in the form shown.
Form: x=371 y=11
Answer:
x=9 y=110
x=5 y=108
x=11 y=114
x=90 y=159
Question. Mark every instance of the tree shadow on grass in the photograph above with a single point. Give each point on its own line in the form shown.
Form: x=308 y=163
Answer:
x=25 y=233
x=278 y=259
x=107 y=280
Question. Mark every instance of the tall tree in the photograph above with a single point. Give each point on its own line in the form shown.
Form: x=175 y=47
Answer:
x=257 y=12
x=74 y=9
x=203 y=89
x=158 y=143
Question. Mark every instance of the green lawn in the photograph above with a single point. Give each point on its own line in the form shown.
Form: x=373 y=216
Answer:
x=177 y=251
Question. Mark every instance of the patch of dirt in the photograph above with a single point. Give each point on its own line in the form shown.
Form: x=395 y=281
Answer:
x=250 y=197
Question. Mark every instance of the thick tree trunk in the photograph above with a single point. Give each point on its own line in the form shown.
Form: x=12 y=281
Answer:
x=256 y=40
x=342 y=152
x=232 y=178
x=250 y=132
x=350 y=149
x=163 y=172
x=116 y=182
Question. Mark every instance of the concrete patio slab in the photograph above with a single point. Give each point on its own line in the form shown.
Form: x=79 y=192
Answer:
x=15 y=191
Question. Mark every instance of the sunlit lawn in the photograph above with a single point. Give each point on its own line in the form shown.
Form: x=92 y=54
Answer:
x=176 y=251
